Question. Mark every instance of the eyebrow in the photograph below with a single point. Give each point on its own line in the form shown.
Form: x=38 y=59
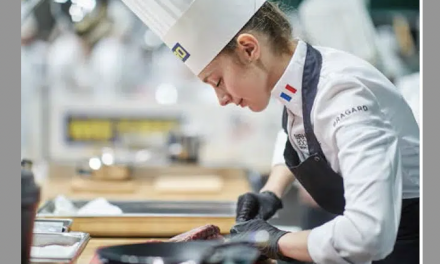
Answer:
x=205 y=80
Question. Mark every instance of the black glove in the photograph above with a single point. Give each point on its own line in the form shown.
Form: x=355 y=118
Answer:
x=257 y=206
x=260 y=234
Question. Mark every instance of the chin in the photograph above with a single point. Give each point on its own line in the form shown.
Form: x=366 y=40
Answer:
x=258 y=108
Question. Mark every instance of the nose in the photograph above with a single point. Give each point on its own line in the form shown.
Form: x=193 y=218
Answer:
x=223 y=97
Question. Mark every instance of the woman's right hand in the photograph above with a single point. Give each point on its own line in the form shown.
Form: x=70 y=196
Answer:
x=257 y=206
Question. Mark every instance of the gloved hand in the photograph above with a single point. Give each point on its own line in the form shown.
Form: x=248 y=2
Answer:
x=262 y=235
x=257 y=206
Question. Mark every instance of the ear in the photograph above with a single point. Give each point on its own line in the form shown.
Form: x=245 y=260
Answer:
x=248 y=48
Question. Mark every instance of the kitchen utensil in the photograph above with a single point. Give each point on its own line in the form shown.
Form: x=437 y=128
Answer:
x=52 y=225
x=112 y=173
x=184 y=147
x=58 y=248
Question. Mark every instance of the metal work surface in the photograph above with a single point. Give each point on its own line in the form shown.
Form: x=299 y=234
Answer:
x=148 y=218
x=156 y=208
x=52 y=225
x=77 y=242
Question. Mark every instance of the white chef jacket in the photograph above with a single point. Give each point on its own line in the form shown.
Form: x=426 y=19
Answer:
x=409 y=86
x=369 y=136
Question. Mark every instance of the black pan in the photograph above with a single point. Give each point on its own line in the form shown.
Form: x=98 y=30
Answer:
x=195 y=252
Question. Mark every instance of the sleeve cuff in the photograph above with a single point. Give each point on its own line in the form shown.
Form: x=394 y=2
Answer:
x=320 y=245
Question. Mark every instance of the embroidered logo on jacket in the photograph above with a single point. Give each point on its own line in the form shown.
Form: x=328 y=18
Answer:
x=301 y=140
x=348 y=112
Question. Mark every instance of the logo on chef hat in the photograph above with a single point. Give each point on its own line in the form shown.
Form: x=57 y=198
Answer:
x=180 y=52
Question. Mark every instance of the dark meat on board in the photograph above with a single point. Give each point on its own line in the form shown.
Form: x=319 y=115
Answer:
x=206 y=232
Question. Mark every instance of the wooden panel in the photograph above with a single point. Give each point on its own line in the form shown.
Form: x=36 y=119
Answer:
x=235 y=183
x=188 y=184
x=145 y=227
x=81 y=184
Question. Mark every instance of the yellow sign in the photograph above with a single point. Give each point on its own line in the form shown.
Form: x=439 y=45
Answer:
x=79 y=129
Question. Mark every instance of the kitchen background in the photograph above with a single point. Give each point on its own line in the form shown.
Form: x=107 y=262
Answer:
x=108 y=113
x=123 y=71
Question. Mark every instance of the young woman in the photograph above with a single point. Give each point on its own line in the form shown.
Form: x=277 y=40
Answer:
x=353 y=142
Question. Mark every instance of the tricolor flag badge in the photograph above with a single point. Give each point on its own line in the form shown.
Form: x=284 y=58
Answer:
x=285 y=95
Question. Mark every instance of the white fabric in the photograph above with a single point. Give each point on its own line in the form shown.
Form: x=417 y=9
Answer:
x=375 y=148
x=341 y=24
x=159 y=15
x=198 y=29
x=54 y=251
x=278 y=153
x=409 y=86
x=98 y=206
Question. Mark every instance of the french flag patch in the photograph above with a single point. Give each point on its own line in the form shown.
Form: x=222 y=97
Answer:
x=286 y=96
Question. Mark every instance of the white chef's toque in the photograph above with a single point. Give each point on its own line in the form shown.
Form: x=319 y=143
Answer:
x=195 y=30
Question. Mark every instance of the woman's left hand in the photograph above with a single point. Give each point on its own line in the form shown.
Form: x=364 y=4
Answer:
x=260 y=233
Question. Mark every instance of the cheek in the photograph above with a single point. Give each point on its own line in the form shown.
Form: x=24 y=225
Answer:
x=244 y=85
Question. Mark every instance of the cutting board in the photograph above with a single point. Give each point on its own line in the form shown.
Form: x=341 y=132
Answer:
x=188 y=184
x=82 y=184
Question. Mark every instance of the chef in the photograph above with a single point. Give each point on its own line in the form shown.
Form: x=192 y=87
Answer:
x=352 y=140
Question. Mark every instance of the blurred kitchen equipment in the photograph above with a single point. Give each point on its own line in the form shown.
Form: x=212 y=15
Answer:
x=105 y=172
x=26 y=164
x=30 y=198
x=112 y=173
x=148 y=218
x=188 y=184
x=52 y=225
x=28 y=7
x=196 y=252
x=404 y=38
x=58 y=248
x=89 y=19
x=184 y=147
x=106 y=165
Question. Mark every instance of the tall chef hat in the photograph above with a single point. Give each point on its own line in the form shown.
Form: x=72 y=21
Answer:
x=195 y=30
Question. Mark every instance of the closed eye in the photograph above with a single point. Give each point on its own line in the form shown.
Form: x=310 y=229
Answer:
x=218 y=83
